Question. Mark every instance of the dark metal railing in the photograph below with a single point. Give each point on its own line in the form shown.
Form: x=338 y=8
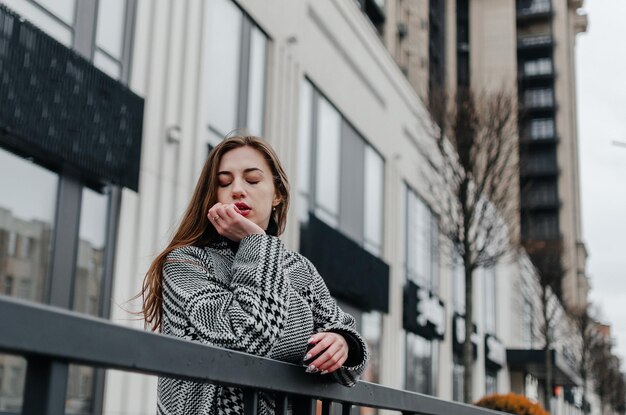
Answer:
x=47 y=335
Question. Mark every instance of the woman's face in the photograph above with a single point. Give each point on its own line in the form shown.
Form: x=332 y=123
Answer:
x=245 y=179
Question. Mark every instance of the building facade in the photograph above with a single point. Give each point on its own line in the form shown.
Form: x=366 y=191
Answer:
x=339 y=89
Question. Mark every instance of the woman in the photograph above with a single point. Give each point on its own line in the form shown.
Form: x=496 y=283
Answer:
x=226 y=280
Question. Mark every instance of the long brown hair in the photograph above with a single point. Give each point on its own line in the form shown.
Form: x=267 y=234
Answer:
x=195 y=228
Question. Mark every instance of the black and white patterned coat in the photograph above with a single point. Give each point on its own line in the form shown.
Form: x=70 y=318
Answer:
x=257 y=297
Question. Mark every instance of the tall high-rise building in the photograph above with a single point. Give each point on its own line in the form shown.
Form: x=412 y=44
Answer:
x=523 y=45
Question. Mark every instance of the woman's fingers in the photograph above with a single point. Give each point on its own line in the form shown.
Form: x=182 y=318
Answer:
x=333 y=349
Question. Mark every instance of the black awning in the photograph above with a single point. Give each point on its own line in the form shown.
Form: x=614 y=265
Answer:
x=533 y=361
x=350 y=272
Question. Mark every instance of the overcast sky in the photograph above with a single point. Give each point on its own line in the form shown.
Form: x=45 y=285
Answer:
x=601 y=66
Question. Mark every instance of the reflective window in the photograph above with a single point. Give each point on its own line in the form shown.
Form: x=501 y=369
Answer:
x=490 y=299
x=542 y=66
x=43 y=14
x=223 y=50
x=491 y=382
x=374 y=198
x=458 y=284
x=90 y=257
x=539 y=97
x=457 y=381
x=420 y=364
x=327 y=168
x=304 y=149
x=371 y=329
x=27 y=211
x=527 y=324
x=110 y=27
x=256 y=83
x=63 y=9
x=541 y=128
x=422 y=256
x=234 y=90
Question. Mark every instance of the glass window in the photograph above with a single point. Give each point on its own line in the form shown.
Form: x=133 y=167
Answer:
x=422 y=243
x=491 y=382
x=63 y=9
x=327 y=166
x=458 y=283
x=304 y=149
x=372 y=333
x=527 y=326
x=224 y=47
x=419 y=364
x=26 y=221
x=374 y=197
x=90 y=257
x=28 y=195
x=107 y=65
x=541 y=128
x=542 y=66
x=256 y=83
x=490 y=299
x=37 y=14
x=457 y=381
x=539 y=97
x=110 y=27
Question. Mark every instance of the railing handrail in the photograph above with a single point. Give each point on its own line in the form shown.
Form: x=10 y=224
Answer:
x=51 y=333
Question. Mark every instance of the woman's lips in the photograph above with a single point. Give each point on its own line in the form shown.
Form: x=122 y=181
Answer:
x=243 y=209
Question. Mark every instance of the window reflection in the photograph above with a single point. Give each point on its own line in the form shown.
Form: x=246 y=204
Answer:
x=327 y=169
x=87 y=289
x=256 y=83
x=27 y=211
x=224 y=47
x=110 y=27
x=420 y=363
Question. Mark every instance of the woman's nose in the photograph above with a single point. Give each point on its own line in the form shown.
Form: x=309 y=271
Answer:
x=238 y=189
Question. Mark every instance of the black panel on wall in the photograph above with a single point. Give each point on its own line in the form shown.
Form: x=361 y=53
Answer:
x=350 y=272
x=62 y=111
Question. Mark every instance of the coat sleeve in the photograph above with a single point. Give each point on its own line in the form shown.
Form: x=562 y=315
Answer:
x=329 y=317
x=245 y=310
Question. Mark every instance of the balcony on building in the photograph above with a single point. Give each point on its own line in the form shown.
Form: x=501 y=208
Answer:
x=538 y=131
x=531 y=43
x=539 y=163
x=540 y=199
x=536 y=72
x=537 y=101
x=532 y=10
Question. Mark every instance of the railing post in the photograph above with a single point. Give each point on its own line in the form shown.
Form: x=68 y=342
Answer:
x=250 y=401
x=46 y=387
x=282 y=403
x=346 y=409
x=326 y=407
x=304 y=405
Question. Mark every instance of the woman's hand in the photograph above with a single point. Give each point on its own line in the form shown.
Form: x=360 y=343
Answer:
x=230 y=223
x=335 y=352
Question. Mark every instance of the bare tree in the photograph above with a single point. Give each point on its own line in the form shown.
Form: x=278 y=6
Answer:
x=584 y=332
x=547 y=258
x=475 y=185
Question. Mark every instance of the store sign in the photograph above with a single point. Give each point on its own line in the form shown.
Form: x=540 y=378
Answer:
x=424 y=313
x=458 y=329
x=495 y=352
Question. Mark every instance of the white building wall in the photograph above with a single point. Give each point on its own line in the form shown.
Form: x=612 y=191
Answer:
x=331 y=43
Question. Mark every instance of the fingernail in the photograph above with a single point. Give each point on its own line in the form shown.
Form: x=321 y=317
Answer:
x=308 y=356
x=311 y=369
x=324 y=372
